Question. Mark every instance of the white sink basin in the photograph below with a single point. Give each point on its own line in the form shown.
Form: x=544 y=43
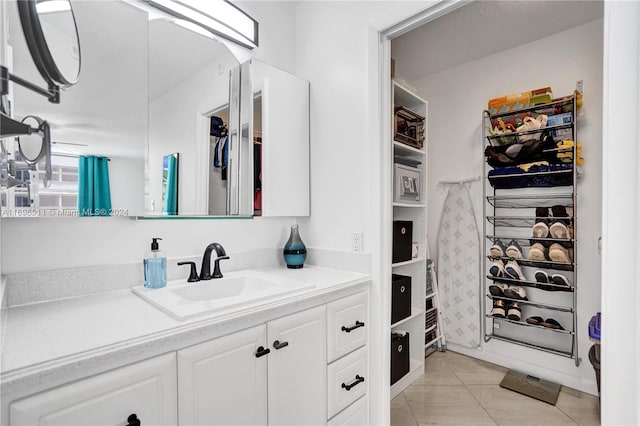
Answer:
x=235 y=290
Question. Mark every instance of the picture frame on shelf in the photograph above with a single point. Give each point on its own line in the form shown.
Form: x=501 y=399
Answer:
x=406 y=184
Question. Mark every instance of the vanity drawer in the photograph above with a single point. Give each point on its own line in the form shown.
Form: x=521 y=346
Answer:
x=357 y=414
x=146 y=389
x=347 y=326
x=348 y=380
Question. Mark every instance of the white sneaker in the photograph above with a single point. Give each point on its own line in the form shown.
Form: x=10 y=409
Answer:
x=514 y=251
x=558 y=253
x=497 y=289
x=497 y=268
x=512 y=269
x=497 y=249
x=515 y=292
x=536 y=252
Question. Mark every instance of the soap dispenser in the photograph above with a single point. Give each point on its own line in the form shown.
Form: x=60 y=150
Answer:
x=155 y=267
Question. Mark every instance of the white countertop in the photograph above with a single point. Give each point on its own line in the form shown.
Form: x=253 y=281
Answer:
x=44 y=342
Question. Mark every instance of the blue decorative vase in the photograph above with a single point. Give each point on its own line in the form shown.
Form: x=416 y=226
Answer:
x=295 y=252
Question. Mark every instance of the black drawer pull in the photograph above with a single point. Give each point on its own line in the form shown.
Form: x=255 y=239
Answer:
x=277 y=345
x=262 y=351
x=353 y=327
x=358 y=380
x=133 y=420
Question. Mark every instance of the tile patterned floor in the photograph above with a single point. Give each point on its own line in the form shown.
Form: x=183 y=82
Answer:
x=459 y=390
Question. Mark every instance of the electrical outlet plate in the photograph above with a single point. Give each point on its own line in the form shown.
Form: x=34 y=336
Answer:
x=579 y=84
x=356 y=241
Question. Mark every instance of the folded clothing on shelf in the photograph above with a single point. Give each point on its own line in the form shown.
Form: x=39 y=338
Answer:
x=515 y=177
x=542 y=149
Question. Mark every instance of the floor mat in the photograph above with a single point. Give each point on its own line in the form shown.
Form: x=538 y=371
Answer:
x=534 y=387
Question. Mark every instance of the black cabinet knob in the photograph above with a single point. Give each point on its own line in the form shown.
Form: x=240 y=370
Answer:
x=358 y=324
x=261 y=351
x=279 y=345
x=133 y=420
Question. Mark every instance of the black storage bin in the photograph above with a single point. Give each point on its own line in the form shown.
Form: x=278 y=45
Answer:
x=402 y=239
x=399 y=356
x=400 y=297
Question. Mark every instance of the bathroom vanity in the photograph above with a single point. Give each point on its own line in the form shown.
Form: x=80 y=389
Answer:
x=103 y=358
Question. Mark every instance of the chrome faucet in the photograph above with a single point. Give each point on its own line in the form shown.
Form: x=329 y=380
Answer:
x=205 y=271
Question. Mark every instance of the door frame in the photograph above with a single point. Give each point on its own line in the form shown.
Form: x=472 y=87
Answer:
x=379 y=36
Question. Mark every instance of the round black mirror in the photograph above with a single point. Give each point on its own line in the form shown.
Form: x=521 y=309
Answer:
x=51 y=33
x=35 y=146
x=32 y=146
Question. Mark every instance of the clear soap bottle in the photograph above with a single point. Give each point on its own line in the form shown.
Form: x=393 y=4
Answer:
x=155 y=267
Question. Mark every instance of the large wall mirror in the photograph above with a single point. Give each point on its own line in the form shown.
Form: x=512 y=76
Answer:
x=171 y=113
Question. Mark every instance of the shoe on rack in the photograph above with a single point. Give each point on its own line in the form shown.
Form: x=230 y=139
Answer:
x=543 y=278
x=514 y=251
x=534 y=320
x=541 y=225
x=497 y=289
x=512 y=270
x=514 y=313
x=497 y=249
x=560 y=226
x=559 y=253
x=560 y=280
x=515 y=292
x=498 y=310
x=497 y=268
x=551 y=323
x=537 y=252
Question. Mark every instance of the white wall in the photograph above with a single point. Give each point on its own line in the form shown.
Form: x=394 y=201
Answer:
x=457 y=97
x=277 y=39
x=41 y=244
x=331 y=52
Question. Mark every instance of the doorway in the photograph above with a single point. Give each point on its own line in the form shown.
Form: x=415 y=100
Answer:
x=458 y=85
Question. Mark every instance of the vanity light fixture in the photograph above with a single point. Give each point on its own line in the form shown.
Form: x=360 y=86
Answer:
x=194 y=27
x=219 y=17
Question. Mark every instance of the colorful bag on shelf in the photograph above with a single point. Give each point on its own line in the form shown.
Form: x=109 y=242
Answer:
x=530 y=123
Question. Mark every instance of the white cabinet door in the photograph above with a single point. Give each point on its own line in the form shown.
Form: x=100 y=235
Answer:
x=297 y=371
x=146 y=389
x=224 y=381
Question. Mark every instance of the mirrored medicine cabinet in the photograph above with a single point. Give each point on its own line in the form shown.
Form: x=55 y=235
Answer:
x=185 y=130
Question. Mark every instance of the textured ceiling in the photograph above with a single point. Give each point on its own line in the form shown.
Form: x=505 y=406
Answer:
x=482 y=28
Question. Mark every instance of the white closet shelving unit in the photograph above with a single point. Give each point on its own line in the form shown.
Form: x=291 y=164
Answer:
x=417 y=267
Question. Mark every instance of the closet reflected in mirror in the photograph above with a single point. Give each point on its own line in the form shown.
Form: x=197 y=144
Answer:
x=189 y=112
